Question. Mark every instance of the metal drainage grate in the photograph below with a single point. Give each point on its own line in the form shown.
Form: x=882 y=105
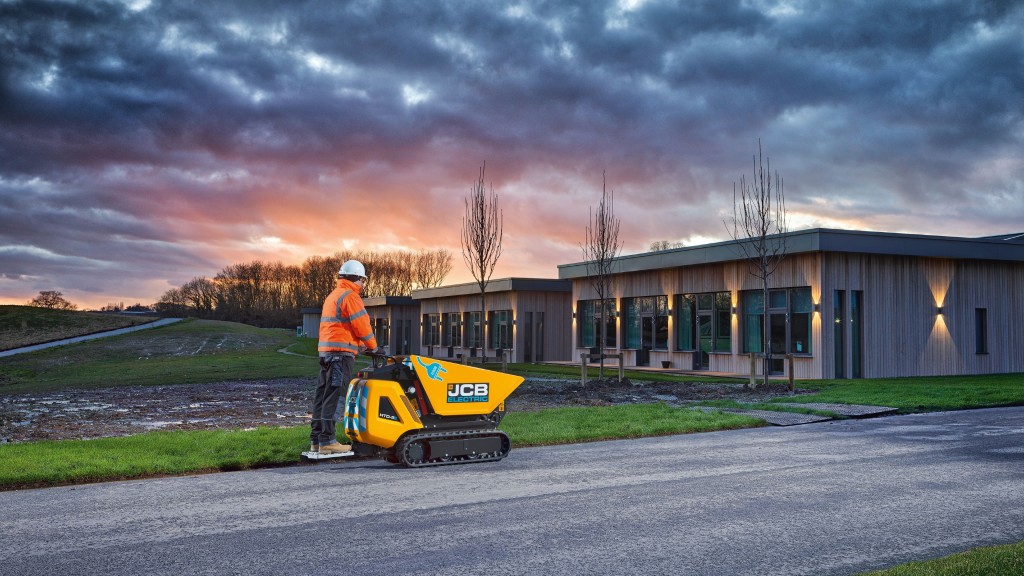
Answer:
x=853 y=410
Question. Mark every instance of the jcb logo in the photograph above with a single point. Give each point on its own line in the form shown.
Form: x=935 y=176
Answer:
x=468 y=392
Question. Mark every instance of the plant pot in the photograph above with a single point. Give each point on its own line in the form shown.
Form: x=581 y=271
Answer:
x=666 y=364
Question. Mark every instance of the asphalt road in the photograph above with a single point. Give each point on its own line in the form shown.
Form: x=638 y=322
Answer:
x=831 y=498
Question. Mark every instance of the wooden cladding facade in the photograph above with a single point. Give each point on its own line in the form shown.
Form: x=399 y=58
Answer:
x=894 y=331
x=904 y=334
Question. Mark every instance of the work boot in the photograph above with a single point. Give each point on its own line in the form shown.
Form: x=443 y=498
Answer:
x=335 y=448
x=314 y=447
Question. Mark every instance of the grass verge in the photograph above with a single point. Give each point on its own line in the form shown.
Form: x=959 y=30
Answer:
x=51 y=463
x=925 y=394
x=985 y=561
x=570 y=425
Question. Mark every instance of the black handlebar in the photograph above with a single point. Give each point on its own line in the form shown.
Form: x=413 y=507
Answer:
x=380 y=360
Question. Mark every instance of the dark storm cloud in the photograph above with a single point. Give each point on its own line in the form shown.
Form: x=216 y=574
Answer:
x=230 y=80
x=173 y=128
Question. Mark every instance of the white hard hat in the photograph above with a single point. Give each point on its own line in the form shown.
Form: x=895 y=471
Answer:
x=352 y=268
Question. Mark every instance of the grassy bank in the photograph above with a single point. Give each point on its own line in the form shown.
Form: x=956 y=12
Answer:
x=188 y=352
x=50 y=463
x=28 y=325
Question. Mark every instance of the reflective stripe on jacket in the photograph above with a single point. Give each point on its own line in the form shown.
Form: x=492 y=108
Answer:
x=344 y=323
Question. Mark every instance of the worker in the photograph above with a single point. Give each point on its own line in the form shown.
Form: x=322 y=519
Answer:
x=345 y=331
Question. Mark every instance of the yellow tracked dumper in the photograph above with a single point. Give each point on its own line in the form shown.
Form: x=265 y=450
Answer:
x=420 y=411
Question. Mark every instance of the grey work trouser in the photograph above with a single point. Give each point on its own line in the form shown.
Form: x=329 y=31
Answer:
x=335 y=372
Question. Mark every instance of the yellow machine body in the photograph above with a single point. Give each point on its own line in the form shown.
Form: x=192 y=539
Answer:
x=385 y=404
x=379 y=427
x=458 y=390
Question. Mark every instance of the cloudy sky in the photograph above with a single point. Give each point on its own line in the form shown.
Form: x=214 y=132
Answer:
x=143 y=143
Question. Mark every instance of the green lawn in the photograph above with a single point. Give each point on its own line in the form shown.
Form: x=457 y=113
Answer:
x=926 y=394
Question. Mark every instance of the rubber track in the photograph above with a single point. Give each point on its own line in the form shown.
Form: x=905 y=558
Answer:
x=400 y=449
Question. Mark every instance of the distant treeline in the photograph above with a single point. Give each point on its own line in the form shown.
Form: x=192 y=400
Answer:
x=271 y=294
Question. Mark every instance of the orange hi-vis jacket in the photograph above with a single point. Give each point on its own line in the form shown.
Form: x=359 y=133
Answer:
x=344 y=323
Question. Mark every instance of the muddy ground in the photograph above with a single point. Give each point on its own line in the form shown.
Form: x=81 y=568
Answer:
x=124 y=411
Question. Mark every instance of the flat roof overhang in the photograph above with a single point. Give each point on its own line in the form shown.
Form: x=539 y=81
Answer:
x=499 y=285
x=817 y=240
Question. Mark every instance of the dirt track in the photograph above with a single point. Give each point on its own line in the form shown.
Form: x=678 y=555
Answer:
x=124 y=411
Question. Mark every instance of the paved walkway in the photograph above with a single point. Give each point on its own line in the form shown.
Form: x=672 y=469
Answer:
x=34 y=347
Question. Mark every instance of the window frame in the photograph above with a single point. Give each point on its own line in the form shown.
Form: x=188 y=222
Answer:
x=716 y=304
x=798 y=303
x=653 y=307
x=431 y=324
x=588 y=314
x=499 y=323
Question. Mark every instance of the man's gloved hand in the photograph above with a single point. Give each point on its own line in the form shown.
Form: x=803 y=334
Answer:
x=378 y=351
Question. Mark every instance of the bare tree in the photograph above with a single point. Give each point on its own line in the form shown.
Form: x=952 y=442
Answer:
x=172 y=303
x=759 y=227
x=52 y=299
x=664 y=245
x=601 y=247
x=481 y=238
x=431 y=267
x=201 y=295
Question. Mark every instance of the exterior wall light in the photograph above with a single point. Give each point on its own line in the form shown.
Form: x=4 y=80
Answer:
x=940 y=311
x=817 y=306
x=733 y=310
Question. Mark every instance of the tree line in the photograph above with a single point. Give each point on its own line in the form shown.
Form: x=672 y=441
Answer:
x=272 y=294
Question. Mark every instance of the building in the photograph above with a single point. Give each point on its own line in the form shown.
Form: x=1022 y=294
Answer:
x=395 y=321
x=845 y=304
x=527 y=318
x=311 y=322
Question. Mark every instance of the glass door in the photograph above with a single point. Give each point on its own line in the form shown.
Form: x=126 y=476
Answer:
x=778 y=342
x=856 y=334
x=538 y=339
x=528 y=338
x=838 y=341
x=706 y=341
x=646 y=341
